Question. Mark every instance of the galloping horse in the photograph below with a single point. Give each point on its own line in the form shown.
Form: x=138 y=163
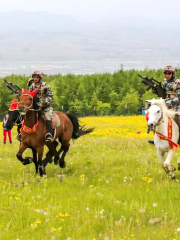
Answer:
x=34 y=131
x=16 y=119
x=166 y=133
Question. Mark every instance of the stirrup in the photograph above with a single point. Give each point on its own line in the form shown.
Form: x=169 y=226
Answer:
x=49 y=137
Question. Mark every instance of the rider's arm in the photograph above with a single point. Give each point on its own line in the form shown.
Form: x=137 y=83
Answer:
x=30 y=81
x=48 y=94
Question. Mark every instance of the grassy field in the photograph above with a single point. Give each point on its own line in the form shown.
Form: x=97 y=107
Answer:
x=113 y=188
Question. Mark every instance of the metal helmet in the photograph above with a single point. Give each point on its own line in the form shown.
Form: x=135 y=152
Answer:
x=169 y=69
x=38 y=73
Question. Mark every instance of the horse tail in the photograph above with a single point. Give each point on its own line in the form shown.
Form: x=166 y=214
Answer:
x=78 y=130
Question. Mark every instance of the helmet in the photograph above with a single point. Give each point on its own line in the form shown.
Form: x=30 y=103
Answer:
x=38 y=73
x=169 y=69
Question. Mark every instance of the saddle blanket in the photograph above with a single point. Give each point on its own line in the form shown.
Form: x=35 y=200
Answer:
x=55 y=120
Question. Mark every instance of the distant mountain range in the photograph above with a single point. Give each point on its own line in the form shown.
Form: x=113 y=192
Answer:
x=42 y=36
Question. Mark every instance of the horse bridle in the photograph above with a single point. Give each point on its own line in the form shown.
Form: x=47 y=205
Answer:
x=29 y=108
x=159 y=121
x=18 y=118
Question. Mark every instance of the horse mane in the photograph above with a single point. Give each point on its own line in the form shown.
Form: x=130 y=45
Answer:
x=36 y=107
x=161 y=103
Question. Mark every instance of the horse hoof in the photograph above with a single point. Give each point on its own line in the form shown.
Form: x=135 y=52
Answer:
x=26 y=161
x=56 y=162
x=171 y=168
x=51 y=160
x=44 y=175
x=173 y=178
x=179 y=166
x=29 y=160
x=62 y=164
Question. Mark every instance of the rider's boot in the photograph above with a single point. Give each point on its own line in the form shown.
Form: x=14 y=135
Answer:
x=49 y=137
x=19 y=137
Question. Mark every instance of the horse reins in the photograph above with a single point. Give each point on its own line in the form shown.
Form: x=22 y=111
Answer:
x=19 y=117
x=34 y=128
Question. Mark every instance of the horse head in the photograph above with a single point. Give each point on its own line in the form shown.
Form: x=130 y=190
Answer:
x=154 y=115
x=14 y=116
x=26 y=101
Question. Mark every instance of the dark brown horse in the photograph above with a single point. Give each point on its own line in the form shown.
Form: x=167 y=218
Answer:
x=34 y=131
x=16 y=119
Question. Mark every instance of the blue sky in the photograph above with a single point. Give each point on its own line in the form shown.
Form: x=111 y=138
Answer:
x=87 y=9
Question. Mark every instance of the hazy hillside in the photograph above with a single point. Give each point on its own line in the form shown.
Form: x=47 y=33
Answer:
x=27 y=36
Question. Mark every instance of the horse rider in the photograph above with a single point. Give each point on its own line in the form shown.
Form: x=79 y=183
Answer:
x=44 y=96
x=172 y=86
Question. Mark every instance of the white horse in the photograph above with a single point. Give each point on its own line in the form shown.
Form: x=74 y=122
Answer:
x=166 y=133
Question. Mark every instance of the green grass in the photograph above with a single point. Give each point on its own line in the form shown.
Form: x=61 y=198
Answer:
x=101 y=194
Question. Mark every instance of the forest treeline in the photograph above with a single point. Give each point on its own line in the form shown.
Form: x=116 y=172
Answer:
x=120 y=93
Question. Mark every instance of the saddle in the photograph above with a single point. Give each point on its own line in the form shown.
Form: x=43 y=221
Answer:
x=55 y=121
x=176 y=119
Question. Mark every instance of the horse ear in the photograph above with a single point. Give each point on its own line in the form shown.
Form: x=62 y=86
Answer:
x=150 y=101
x=14 y=101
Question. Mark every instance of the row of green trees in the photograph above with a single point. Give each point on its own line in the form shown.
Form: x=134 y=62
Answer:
x=120 y=93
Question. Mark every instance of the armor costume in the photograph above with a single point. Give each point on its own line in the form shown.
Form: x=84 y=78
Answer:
x=172 y=87
x=44 y=96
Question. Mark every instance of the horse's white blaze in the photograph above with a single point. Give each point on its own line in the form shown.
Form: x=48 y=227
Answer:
x=158 y=119
x=154 y=114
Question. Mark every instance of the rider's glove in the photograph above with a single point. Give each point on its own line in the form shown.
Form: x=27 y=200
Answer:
x=30 y=81
x=154 y=90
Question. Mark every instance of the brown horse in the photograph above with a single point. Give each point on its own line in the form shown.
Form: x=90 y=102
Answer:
x=16 y=119
x=34 y=131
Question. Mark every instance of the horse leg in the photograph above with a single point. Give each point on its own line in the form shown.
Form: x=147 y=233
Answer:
x=35 y=159
x=168 y=161
x=65 y=147
x=55 y=143
x=51 y=153
x=178 y=162
x=166 y=165
x=31 y=159
x=42 y=170
x=161 y=156
x=22 y=148
x=57 y=154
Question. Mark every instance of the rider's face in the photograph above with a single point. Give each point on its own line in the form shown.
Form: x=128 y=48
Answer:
x=168 y=76
x=36 y=78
